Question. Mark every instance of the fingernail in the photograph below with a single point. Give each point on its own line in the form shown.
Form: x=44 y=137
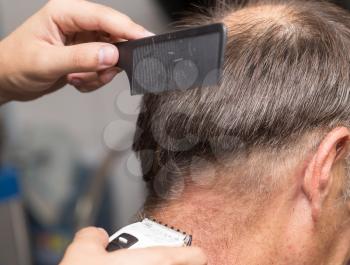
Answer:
x=101 y=229
x=107 y=55
x=143 y=33
x=148 y=33
x=75 y=82
x=109 y=75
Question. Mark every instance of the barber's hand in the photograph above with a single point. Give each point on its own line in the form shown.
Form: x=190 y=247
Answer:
x=66 y=41
x=88 y=248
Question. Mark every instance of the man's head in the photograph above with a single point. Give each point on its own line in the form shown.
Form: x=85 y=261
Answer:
x=256 y=168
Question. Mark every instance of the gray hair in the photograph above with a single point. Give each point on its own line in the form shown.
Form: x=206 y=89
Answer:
x=287 y=74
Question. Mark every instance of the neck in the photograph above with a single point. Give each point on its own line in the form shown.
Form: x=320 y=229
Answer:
x=235 y=234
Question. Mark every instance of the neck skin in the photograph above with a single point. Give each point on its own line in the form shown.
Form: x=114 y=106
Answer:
x=234 y=232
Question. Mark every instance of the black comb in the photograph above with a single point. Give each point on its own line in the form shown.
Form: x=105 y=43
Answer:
x=178 y=60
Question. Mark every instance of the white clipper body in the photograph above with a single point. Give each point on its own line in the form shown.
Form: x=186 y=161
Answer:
x=148 y=233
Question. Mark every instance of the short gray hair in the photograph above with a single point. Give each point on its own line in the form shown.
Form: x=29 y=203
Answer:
x=283 y=78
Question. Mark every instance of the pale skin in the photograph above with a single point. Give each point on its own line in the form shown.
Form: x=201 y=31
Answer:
x=306 y=222
x=90 y=243
x=69 y=41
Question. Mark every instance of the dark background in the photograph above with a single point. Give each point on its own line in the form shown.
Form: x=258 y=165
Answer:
x=175 y=8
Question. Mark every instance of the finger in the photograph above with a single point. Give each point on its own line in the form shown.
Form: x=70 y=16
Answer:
x=92 y=236
x=160 y=256
x=91 y=76
x=86 y=82
x=77 y=79
x=83 y=15
x=86 y=57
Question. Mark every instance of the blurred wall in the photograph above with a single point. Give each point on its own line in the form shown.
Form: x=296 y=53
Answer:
x=92 y=119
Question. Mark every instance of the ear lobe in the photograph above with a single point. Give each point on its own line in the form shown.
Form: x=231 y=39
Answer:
x=318 y=178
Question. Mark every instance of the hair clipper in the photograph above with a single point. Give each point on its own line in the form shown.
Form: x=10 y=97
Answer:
x=148 y=233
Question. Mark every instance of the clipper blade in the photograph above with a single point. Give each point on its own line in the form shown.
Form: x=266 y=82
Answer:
x=148 y=233
x=187 y=239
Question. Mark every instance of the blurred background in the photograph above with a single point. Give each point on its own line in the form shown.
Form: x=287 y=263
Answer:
x=66 y=159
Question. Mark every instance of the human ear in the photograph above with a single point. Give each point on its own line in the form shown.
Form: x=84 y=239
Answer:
x=318 y=176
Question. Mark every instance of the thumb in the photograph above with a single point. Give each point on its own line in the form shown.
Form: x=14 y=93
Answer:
x=86 y=57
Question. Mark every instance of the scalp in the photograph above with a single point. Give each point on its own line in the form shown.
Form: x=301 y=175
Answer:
x=286 y=75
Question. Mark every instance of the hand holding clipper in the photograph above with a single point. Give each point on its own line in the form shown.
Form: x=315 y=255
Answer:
x=89 y=246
